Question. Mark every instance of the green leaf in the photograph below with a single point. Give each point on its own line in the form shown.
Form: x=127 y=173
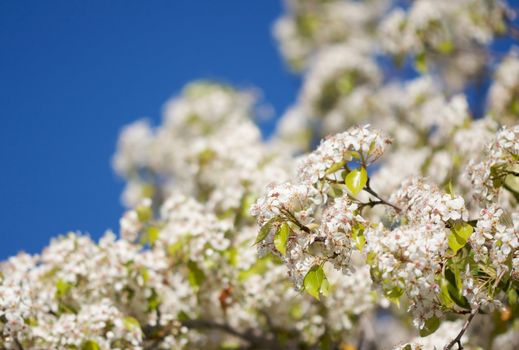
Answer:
x=258 y=268
x=31 y=321
x=182 y=316
x=281 y=238
x=336 y=190
x=153 y=301
x=325 y=287
x=335 y=167
x=313 y=281
x=130 y=323
x=90 y=345
x=144 y=274
x=463 y=230
x=173 y=248
x=420 y=62
x=206 y=156
x=394 y=294
x=454 y=244
x=144 y=213
x=459 y=235
x=444 y=293
x=345 y=84
x=246 y=203
x=454 y=286
x=151 y=235
x=232 y=255
x=446 y=47
x=265 y=230
x=356 y=180
x=430 y=326
x=196 y=275
x=450 y=190
x=512 y=297
x=358 y=235
x=62 y=287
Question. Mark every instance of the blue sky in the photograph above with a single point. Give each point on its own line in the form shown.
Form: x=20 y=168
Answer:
x=73 y=72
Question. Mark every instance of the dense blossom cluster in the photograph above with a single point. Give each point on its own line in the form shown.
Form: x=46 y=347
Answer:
x=381 y=199
x=499 y=165
x=408 y=259
x=504 y=93
x=311 y=25
x=424 y=203
x=365 y=144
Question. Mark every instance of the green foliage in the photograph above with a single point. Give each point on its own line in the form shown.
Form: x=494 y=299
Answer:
x=153 y=301
x=394 y=294
x=315 y=282
x=459 y=235
x=265 y=230
x=357 y=233
x=62 y=288
x=420 y=62
x=445 y=47
x=150 y=236
x=335 y=167
x=90 y=345
x=451 y=286
x=130 y=323
x=144 y=213
x=196 y=275
x=281 y=238
x=430 y=326
x=259 y=267
x=356 y=180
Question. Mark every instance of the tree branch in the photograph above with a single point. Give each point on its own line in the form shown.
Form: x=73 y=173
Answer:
x=18 y=344
x=473 y=313
x=381 y=200
x=457 y=340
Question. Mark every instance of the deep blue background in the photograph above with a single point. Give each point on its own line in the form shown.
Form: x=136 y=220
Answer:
x=72 y=73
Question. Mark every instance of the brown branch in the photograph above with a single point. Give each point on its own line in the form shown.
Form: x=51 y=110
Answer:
x=473 y=313
x=370 y=190
x=294 y=220
x=457 y=340
x=381 y=200
x=18 y=344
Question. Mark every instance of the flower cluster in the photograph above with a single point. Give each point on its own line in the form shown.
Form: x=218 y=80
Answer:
x=498 y=167
x=434 y=29
x=448 y=330
x=496 y=238
x=423 y=203
x=320 y=225
x=363 y=144
x=504 y=92
x=311 y=25
x=408 y=259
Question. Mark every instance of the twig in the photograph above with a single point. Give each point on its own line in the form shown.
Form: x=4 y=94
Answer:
x=473 y=313
x=368 y=189
x=457 y=340
x=18 y=344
